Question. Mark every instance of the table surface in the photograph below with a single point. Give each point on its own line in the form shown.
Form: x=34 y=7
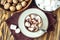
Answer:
x=5 y=33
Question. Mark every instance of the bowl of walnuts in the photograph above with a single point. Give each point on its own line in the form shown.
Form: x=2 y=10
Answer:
x=14 y=5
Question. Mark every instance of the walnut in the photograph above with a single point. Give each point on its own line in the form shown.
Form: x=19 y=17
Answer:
x=6 y=6
x=12 y=8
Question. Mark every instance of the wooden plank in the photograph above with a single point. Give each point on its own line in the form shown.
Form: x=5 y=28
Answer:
x=5 y=33
x=51 y=37
x=58 y=27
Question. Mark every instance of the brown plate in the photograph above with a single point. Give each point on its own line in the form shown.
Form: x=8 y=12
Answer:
x=1 y=7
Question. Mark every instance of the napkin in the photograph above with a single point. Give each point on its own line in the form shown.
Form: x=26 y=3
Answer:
x=20 y=36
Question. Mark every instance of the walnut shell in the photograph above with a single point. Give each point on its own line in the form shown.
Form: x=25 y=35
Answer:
x=6 y=6
x=26 y=0
x=15 y=1
x=18 y=7
x=12 y=8
x=9 y=1
x=21 y=0
x=23 y=3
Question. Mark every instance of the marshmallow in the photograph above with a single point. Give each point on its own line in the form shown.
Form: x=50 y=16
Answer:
x=38 y=18
x=27 y=17
x=32 y=16
x=17 y=30
x=34 y=21
x=32 y=26
x=13 y=27
x=27 y=24
x=31 y=29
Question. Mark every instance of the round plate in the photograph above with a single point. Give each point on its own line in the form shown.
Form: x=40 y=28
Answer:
x=23 y=28
x=48 y=5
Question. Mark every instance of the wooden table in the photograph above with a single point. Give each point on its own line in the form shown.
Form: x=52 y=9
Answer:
x=5 y=33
